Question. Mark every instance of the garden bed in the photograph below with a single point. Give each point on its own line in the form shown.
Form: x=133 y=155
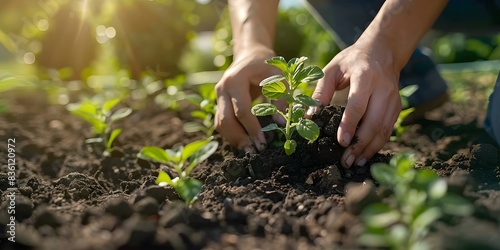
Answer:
x=69 y=196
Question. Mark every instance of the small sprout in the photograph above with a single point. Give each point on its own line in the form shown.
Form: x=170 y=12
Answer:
x=403 y=219
x=405 y=93
x=276 y=87
x=101 y=118
x=183 y=160
x=206 y=102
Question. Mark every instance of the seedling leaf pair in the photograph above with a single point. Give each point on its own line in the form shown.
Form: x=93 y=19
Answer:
x=183 y=160
x=101 y=118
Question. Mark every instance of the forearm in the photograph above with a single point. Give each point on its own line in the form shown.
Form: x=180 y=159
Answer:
x=253 y=23
x=399 y=26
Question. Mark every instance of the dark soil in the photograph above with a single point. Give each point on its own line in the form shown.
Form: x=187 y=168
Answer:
x=69 y=196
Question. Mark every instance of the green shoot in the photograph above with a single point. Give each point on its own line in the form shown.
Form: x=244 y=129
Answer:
x=183 y=160
x=275 y=87
x=173 y=94
x=420 y=197
x=101 y=118
x=206 y=101
x=405 y=93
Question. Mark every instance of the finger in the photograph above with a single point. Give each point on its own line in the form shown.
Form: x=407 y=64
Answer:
x=326 y=87
x=381 y=138
x=359 y=96
x=242 y=103
x=229 y=127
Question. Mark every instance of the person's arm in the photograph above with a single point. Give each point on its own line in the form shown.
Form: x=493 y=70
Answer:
x=371 y=67
x=253 y=23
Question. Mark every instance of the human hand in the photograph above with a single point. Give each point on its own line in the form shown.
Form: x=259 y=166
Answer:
x=235 y=91
x=373 y=103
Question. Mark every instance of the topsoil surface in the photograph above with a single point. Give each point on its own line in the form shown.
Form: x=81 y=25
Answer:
x=69 y=196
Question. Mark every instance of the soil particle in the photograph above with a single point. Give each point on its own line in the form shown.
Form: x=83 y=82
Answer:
x=24 y=207
x=118 y=207
x=46 y=217
x=147 y=206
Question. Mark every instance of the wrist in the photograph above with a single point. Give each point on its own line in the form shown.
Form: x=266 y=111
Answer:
x=252 y=50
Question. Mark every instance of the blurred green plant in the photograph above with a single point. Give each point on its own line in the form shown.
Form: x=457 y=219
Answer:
x=183 y=160
x=274 y=88
x=206 y=103
x=174 y=93
x=406 y=110
x=101 y=118
x=418 y=199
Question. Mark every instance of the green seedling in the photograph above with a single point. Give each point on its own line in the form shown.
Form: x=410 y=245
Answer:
x=183 y=160
x=205 y=101
x=173 y=95
x=101 y=118
x=405 y=93
x=419 y=198
x=284 y=86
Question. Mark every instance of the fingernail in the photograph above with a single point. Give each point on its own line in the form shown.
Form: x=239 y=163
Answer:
x=362 y=162
x=349 y=160
x=311 y=111
x=259 y=144
x=346 y=138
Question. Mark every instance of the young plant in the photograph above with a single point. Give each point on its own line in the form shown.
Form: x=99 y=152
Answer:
x=284 y=86
x=405 y=93
x=183 y=160
x=173 y=95
x=205 y=101
x=404 y=218
x=101 y=118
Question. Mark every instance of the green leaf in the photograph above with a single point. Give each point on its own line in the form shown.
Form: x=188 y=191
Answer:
x=408 y=90
x=290 y=146
x=308 y=129
x=380 y=215
x=297 y=114
x=296 y=63
x=120 y=114
x=191 y=148
x=374 y=240
x=403 y=162
x=279 y=62
x=456 y=205
x=188 y=189
x=201 y=155
x=271 y=127
x=114 y=134
x=109 y=105
x=437 y=189
x=207 y=91
x=192 y=127
x=94 y=140
x=426 y=218
x=306 y=100
x=424 y=179
x=163 y=177
x=199 y=114
x=175 y=155
x=274 y=91
x=154 y=154
x=384 y=174
x=271 y=80
x=264 y=109
x=309 y=74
